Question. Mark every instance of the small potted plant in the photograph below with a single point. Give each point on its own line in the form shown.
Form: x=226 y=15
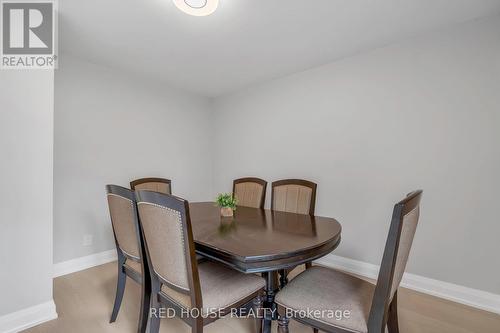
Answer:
x=227 y=203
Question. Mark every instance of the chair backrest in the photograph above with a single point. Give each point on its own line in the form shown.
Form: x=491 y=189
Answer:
x=160 y=185
x=397 y=249
x=250 y=192
x=123 y=212
x=168 y=240
x=294 y=196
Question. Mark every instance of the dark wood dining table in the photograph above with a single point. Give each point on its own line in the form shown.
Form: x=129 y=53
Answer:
x=262 y=241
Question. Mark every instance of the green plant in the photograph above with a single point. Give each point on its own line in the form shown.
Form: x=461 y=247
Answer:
x=227 y=200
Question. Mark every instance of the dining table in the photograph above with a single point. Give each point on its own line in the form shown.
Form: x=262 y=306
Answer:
x=256 y=240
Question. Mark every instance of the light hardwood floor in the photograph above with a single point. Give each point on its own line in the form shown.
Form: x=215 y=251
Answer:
x=84 y=301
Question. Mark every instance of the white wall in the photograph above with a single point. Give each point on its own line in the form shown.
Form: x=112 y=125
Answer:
x=26 y=147
x=370 y=128
x=111 y=128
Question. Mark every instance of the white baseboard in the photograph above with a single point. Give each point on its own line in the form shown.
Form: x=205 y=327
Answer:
x=79 y=264
x=453 y=292
x=472 y=297
x=29 y=317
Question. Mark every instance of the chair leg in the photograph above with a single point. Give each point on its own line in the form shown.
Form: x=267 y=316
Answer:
x=198 y=326
x=309 y=265
x=120 y=287
x=283 y=278
x=284 y=274
x=154 y=315
x=145 y=305
x=392 y=321
x=257 y=306
x=283 y=322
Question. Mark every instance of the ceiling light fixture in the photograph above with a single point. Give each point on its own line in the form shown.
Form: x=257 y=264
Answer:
x=197 y=7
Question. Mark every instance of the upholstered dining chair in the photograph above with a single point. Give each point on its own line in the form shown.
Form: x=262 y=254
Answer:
x=250 y=192
x=293 y=196
x=161 y=185
x=178 y=281
x=372 y=307
x=123 y=212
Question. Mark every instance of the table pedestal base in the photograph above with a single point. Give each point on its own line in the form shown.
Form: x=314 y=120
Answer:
x=271 y=289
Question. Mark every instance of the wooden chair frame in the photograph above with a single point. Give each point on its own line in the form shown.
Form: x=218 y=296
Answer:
x=312 y=207
x=139 y=181
x=384 y=309
x=124 y=270
x=157 y=297
x=253 y=180
x=301 y=182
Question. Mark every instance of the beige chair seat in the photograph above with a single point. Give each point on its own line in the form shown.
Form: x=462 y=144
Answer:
x=221 y=287
x=320 y=288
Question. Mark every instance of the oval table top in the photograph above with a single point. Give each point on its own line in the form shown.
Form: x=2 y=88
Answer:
x=261 y=240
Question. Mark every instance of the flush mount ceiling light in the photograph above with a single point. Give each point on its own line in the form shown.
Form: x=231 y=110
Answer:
x=197 y=7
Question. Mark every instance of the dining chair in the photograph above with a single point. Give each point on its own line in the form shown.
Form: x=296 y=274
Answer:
x=123 y=212
x=178 y=281
x=293 y=196
x=161 y=185
x=250 y=192
x=372 y=307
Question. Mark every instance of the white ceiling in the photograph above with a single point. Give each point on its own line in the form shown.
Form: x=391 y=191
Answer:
x=245 y=41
